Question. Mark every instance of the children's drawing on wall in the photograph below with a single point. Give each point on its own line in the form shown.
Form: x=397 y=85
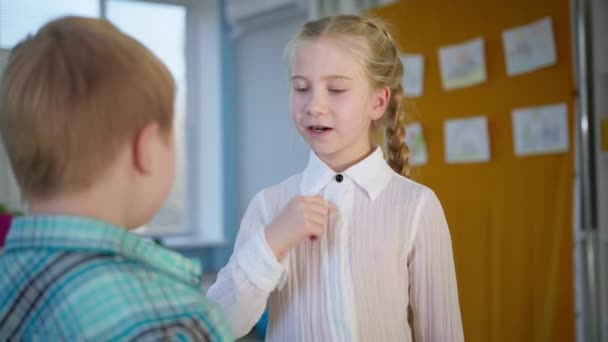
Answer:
x=529 y=47
x=413 y=74
x=414 y=138
x=466 y=140
x=540 y=130
x=462 y=65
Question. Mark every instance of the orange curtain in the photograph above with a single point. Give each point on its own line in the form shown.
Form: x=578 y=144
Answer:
x=510 y=218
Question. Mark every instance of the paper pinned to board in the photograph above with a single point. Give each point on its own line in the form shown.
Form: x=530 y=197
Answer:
x=529 y=47
x=414 y=138
x=413 y=74
x=462 y=65
x=467 y=140
x=540 y=130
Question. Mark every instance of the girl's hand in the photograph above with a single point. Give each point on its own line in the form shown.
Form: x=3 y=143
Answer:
x=304 y=217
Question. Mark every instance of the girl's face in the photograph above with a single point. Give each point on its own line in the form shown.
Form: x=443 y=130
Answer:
x=332 y=101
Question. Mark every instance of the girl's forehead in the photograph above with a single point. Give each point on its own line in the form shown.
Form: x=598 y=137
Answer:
x=330 y=54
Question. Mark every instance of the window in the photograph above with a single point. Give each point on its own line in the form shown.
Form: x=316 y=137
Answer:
x=18 y=18
x=167 y=41
x=185 y=35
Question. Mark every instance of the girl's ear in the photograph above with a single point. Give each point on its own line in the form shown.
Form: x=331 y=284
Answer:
x=381 y=98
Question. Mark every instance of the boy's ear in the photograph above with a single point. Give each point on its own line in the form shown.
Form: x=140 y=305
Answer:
x=381 y=98
x=143 y=147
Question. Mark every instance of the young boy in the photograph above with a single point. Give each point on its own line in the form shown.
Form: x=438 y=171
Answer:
x=86 y=117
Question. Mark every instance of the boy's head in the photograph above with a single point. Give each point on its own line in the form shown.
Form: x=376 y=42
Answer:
x=76 y=98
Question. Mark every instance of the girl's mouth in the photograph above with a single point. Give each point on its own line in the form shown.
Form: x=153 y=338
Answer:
x=318 y=131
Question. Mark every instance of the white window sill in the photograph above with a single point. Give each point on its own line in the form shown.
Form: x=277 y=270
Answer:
x=189 y=242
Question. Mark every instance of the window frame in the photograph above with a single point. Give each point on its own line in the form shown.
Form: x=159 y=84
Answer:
x=204 y=183
x=204 y=132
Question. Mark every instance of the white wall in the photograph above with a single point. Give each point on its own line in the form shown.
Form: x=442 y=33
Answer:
x=268 y=147
x=600 y=48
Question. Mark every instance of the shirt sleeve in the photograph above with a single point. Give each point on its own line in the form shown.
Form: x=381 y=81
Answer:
x=433 y=288
x=243 y=286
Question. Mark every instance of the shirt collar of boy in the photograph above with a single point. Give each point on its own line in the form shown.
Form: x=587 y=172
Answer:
x=372 y=174
x=88 y=235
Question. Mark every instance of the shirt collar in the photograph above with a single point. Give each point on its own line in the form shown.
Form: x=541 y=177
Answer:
x=372 y=174
x=81 y=234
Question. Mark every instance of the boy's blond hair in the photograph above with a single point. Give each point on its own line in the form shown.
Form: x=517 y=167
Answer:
x=71 y=96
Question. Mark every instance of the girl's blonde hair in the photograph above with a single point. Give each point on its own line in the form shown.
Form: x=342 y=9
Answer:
x=382 y=66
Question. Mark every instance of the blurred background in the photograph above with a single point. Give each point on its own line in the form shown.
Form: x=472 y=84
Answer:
x=508 y=123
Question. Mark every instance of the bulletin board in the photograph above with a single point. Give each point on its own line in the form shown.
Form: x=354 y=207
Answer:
x=510 y=218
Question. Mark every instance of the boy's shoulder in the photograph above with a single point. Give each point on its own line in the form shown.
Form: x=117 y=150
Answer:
x=112 y=297
x=122 y=276
x=134 y=295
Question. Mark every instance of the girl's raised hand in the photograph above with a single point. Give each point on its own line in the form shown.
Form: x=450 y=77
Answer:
x=303 y=217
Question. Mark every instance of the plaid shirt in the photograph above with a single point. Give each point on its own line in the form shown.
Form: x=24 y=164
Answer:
x=71 y=278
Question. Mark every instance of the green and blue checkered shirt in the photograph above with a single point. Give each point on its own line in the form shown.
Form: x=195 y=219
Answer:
x=79 y=279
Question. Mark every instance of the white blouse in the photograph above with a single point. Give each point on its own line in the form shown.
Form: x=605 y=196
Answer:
x=383 y=271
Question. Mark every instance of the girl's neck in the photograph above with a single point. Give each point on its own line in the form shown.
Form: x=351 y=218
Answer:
x=341 y=163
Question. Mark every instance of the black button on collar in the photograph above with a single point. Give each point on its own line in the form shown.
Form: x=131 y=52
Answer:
x=339 y=178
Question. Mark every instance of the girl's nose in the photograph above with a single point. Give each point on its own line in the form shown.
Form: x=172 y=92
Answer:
x=317 y=105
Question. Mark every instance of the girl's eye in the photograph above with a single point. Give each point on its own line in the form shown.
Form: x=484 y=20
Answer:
x=336 y=91
x=300 y=89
